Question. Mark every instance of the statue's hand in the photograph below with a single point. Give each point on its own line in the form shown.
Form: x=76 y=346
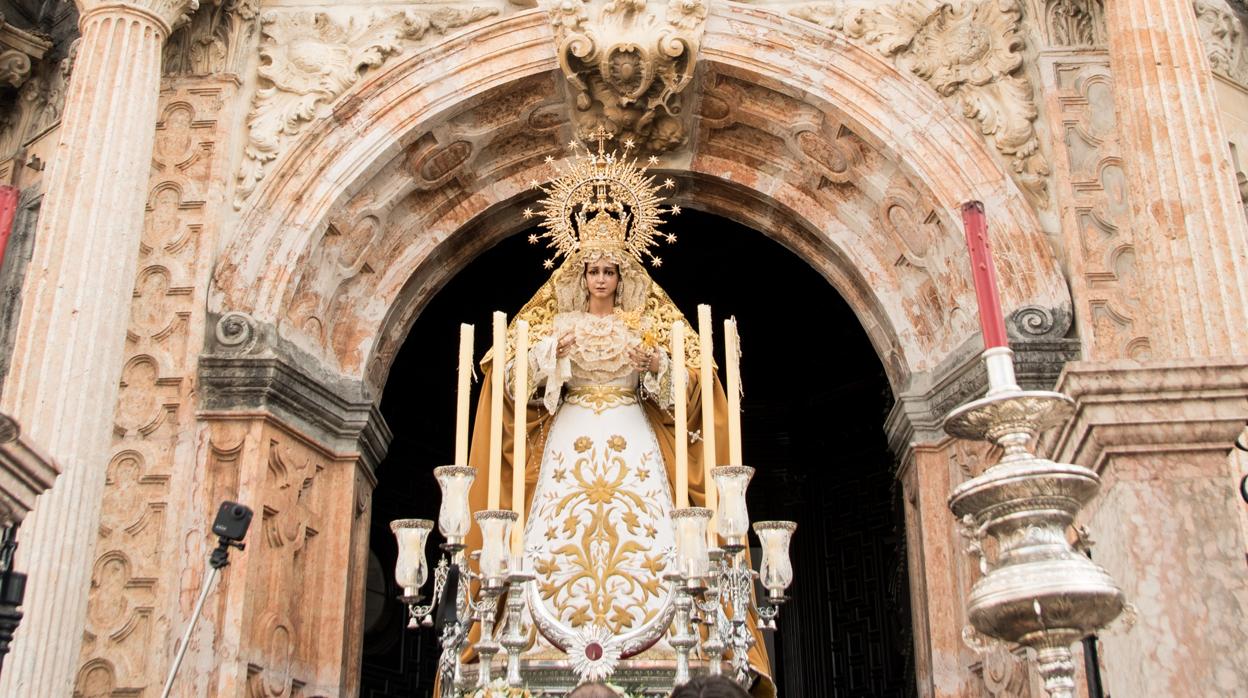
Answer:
x=644 y=358
x=566 y=342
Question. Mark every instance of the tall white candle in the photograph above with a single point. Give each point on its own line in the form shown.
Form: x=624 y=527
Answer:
x=706 y=333
x=520 y=435
x=679 y=391
x=732 y=355
x=463 y=394
x=496 y=410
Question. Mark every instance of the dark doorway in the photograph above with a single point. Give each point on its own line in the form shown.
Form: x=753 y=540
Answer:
x=815 y=437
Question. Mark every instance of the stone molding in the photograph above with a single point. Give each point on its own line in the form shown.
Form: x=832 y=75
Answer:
x=338 y=413
x=969 y=51
x=1041 y=350
x=310 y=58
x=1225 y=41
x=25 y=472
x=1158 y=407
x=628 y=66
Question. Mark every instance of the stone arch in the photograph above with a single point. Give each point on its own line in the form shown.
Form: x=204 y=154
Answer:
x=442 y=158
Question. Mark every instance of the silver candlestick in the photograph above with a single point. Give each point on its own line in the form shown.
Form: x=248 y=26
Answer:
x=1037 y=590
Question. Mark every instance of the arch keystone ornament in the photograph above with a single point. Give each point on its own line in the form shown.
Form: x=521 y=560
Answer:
x=627 y=63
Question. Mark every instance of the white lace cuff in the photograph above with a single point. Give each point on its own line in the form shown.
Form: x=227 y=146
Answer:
x=546 y=367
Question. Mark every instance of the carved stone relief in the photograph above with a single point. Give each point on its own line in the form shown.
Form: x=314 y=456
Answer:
x=503 y=132
x=969 y=51
x=309 y=58
x=848 y=179
x=216 y=40
x=1070 y=23
x=139 y=522
x=1114 y=322
x=1226 y=44
x=627 y=63
x=1004 y=673
x=36 y=108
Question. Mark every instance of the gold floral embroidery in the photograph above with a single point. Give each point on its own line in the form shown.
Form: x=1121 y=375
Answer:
x=603 y=560
x=600 y=398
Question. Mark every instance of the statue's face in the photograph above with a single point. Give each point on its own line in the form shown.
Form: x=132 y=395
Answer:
x=602 y=277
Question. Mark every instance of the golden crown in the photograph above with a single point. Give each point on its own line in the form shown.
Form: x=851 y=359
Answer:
x=602 y=202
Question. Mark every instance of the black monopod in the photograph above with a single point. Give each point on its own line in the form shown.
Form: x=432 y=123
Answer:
x=230 y=526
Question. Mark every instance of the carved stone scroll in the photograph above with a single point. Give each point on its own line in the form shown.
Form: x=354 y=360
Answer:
x=969 y=51
x=627 y=63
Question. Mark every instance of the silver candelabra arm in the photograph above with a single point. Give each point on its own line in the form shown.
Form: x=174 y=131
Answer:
x=425 y=612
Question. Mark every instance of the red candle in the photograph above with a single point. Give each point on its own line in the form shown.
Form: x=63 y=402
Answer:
x=991 y=319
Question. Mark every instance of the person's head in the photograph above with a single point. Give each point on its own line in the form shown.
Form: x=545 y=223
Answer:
x=710 y=687
x=593 y=690
x=602 y=278
x=624 y=283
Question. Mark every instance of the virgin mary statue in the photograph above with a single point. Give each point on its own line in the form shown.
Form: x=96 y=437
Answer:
x=598 y=533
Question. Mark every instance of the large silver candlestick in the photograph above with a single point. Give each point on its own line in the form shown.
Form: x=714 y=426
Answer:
x=1037 y=590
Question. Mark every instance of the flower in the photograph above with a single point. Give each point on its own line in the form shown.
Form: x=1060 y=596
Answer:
x=583 y=444
x=617 y=443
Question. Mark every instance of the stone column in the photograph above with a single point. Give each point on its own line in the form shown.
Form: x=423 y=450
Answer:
x=1184 y=200
x=64 y=380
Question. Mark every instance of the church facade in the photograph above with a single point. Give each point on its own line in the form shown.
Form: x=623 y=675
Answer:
x=225 y=217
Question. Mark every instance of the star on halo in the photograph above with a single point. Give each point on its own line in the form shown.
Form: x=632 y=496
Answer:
x=532 y=239
x=671 y=238
x=527 y=213
x=548 y=264
x=653 y=160
x=668 y=183
x=675 y=210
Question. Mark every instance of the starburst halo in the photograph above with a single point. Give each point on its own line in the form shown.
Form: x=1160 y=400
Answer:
x=600 y=182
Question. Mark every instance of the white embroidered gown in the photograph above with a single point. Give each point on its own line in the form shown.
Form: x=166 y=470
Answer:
x=599 y=535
